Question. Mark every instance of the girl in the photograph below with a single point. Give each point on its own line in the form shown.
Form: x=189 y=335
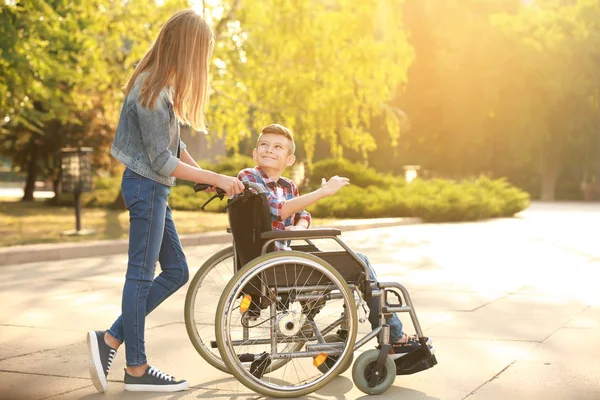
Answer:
x=169 y=86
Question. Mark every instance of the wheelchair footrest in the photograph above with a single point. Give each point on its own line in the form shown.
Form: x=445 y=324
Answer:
x=415 y=361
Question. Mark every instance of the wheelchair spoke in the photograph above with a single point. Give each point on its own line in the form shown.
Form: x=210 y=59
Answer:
x=289 y=330
x=208 y=283
x=229 y=268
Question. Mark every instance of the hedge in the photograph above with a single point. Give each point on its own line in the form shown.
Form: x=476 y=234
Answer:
x=433 y=201
x=370 y=195
x=358 y=174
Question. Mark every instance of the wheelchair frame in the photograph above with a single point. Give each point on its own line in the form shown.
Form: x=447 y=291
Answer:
x=378 y=360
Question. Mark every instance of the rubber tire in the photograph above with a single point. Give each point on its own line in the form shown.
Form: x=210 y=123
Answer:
x=358 y=373
x=219 y=331
x=192 y=291
x=202 y=349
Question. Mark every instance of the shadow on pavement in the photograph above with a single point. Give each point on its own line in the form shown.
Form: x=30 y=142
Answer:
x=138 y=395
x=403 y=393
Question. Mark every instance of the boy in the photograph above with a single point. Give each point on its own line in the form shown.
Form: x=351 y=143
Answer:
x=274 y=152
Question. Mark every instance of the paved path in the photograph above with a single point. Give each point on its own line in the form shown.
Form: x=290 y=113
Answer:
x=513 y=307
x=17 y=193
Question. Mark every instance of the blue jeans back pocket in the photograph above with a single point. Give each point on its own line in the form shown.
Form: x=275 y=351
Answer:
x=130 y=187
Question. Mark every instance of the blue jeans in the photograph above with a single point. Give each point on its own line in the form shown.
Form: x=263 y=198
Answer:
x=152 y=237
x=375 y=307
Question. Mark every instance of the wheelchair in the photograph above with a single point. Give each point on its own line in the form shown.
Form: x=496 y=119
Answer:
x=284 y=323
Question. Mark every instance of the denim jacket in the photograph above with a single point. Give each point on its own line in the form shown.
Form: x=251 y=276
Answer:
x=147 y=141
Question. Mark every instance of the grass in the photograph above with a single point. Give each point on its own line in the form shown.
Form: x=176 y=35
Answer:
x=35 y=222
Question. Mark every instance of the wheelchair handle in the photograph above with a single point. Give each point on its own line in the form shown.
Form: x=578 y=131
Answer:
x=254 y=186
x=201 y=187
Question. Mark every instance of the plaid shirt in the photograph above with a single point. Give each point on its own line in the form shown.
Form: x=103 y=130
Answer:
x=277 y=194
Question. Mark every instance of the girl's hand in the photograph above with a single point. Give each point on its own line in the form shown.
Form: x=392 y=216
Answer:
x=230 y=185
x=334 y=184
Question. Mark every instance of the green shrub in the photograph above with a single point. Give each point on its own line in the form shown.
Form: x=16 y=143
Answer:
x=370 y=195
x=229 y=165
x=511 y=199
x=347 y=203
x=358 y=174
x=226 y=165
x=445 y=201
x=105 y=192
x=183 y=197
x=433 y=201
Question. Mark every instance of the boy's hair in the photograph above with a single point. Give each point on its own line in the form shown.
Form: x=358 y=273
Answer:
x=277 y=129
x=179 y=56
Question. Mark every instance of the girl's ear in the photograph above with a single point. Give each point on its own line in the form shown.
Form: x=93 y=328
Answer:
x=291 y=159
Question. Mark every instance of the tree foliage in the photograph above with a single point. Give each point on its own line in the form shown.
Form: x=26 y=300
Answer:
x=63 y=67
x=460 y=87
x=505 y=87
x=324 y=69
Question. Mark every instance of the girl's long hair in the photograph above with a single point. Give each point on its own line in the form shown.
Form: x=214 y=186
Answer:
x=179 y=58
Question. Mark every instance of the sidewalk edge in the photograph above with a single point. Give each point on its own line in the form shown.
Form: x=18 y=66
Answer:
x=56 y=252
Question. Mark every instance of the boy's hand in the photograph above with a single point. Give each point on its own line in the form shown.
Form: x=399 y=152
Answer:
x=301 y=224
x=295 y=227
x=230 y=185
x=334 y=184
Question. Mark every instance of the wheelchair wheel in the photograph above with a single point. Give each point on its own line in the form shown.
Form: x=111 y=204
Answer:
x=200 y=311
x=204 y=290
x=330 y=361
x=306 y=298
x=364 y=368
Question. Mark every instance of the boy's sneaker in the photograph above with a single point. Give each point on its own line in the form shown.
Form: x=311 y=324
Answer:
x=101 y=357
x=154 y=380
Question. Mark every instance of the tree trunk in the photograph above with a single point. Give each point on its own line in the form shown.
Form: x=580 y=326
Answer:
x=597 y=169
x=550 y=166
x=548 y=185
x=55 y=185
x=31 y=171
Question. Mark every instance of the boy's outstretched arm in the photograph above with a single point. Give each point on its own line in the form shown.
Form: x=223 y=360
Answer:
x=328 y=188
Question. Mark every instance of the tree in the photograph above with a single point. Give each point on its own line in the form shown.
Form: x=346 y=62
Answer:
x=556 y=91
x=65 y=66
x=503 y=87
x=325 y=69
x=31 y=98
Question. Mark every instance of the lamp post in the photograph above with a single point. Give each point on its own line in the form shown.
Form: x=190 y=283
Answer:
x=410 y=172
x=77 y=179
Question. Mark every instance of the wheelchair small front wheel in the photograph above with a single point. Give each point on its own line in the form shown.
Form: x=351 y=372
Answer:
x=302 y=298
x=364 y=369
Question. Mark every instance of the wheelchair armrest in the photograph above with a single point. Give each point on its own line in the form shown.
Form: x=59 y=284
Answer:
x=301 y=234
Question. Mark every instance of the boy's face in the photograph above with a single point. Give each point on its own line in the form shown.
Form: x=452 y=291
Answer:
x=273 y=152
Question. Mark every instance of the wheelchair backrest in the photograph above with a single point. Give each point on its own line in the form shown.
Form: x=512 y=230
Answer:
x=248 y=218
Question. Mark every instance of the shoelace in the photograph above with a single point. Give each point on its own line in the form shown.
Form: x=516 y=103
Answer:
x=111 y=357
x=159 y=374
